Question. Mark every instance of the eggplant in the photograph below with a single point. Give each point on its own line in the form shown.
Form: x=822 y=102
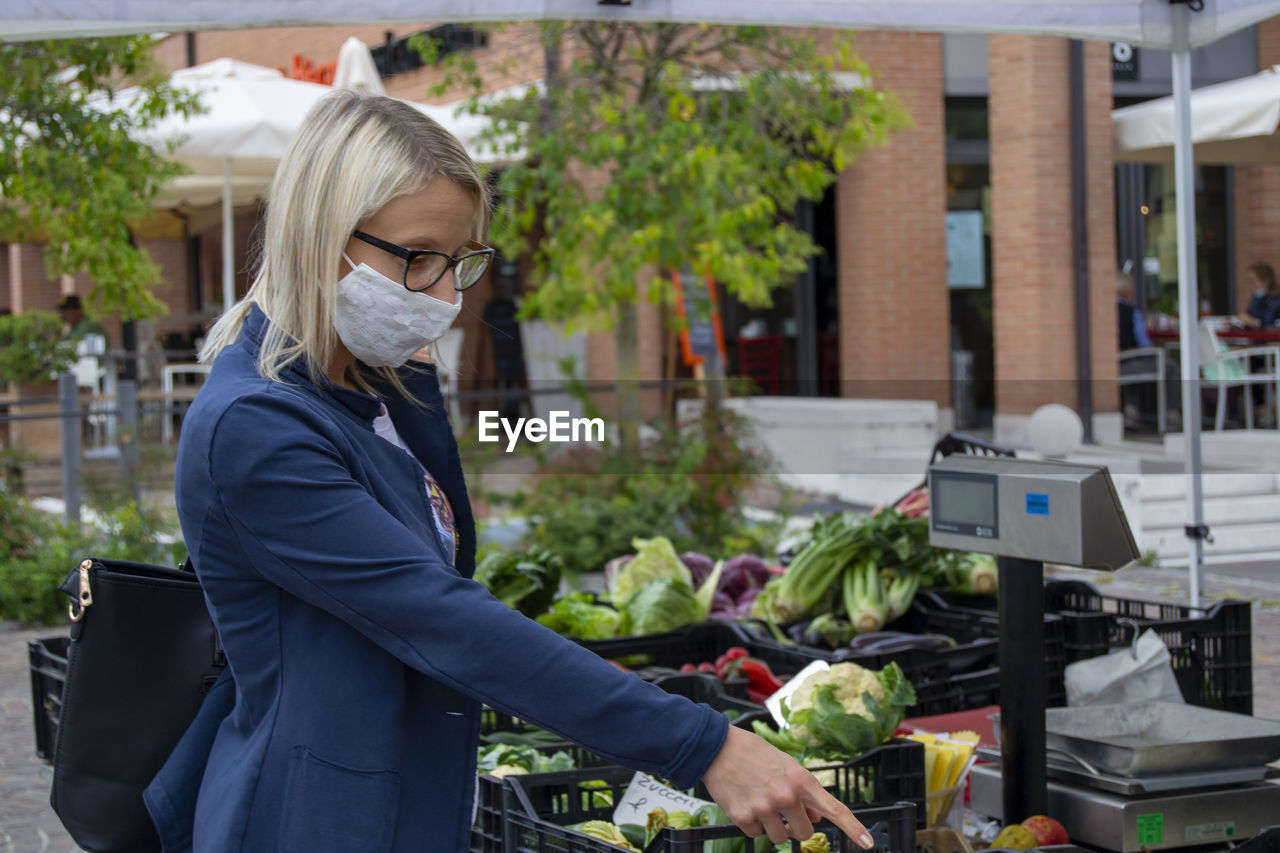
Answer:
x=858 y=642
x=799 y=633
x=882 y=642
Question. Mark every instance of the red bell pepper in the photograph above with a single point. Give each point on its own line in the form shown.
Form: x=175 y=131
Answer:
x=761 y=682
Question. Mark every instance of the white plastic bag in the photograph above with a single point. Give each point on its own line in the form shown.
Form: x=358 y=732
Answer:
x=1140 y=673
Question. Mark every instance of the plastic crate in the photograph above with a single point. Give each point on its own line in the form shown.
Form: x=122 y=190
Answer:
x=931 y=611
x=539 y=811
x=931 y=673
x=698 y=642
x=920 y=666
x=486 y=833
x=1211 y=647
x=48 y=663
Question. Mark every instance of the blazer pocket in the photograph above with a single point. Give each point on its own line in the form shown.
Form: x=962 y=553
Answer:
x=332 y=808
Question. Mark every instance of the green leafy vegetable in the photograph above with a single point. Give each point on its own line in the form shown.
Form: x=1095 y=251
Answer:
x=660 y=606
x=527 y=759
x=577 y=615
x=872 y=562
x=526 y=582
x=964 y=573
x=656 y=559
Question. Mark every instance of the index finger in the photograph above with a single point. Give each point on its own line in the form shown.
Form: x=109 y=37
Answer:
x=839 y=814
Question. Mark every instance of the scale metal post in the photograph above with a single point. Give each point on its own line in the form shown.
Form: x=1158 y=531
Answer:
x=1026 y=513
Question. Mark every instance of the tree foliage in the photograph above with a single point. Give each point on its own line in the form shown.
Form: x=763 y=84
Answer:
x=661 y=145
x=32 y=348
x=74 y=170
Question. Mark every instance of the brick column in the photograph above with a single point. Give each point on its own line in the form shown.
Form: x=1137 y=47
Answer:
x=891 y=232
x=1256 y=188
x=1033 y=267
x=31 y=289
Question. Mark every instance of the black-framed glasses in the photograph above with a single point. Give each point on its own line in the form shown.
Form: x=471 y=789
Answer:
x=424 y=267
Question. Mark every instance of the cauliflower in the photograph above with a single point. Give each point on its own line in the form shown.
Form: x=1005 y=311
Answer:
x=827 y=778
x=829 y=719
x=850 y=680
x=506 y=770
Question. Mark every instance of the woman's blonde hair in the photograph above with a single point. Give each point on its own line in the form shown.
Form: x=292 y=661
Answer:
x=352 y=155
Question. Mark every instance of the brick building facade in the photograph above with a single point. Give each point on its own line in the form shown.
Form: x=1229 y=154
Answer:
x=895 y=318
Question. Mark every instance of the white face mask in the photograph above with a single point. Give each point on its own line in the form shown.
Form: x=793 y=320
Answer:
x=382 y=323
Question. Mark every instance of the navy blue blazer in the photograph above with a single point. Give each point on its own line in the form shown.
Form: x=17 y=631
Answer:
x=358 y=656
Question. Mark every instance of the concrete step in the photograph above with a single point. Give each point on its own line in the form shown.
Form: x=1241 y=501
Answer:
x=1157 y=487
x=1239 y=539
x=1240 y=509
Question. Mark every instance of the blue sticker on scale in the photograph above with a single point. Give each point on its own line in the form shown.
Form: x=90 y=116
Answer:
x=1037 y=504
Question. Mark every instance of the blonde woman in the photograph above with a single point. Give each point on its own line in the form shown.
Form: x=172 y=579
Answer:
x=322 y=500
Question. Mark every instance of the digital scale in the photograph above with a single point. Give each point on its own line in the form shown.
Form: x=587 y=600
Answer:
x=1131 y=815
x=1027 y=513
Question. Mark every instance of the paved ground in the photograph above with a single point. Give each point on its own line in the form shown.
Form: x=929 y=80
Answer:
x=28 y=825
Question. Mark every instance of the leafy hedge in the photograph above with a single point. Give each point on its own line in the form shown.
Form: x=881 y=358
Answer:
x=37 y=551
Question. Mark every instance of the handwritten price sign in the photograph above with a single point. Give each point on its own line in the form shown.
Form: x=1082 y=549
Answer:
x=645 y=794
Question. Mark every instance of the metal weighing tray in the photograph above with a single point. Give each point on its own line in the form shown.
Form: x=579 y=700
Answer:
x=1160 y=738
x=1073 y=772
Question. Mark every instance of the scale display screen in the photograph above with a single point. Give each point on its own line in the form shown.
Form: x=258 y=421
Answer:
x=964 y=503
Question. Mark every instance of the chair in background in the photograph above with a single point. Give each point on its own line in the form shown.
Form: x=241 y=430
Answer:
x=448 y=356
x=760 y=360
x=93 y=376
x=1144 y=365
x=1224 y=369
x=177 y=399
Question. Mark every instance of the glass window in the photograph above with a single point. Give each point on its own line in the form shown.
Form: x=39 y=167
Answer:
x=1160 y=233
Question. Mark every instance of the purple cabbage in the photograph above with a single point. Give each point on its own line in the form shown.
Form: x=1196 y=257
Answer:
x=700 y=566
x=742 y=574
x=743 y=608
x=723 y=607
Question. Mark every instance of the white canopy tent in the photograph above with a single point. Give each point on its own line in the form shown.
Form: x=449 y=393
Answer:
x=1164 y=24
x=1148 y=23
x=1231 y=123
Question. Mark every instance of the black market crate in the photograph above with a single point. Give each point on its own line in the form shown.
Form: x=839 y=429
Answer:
x=1211 y=647
x=540 y=810
x=918 y=665
x=700 y=642
x=486 y=833
x=932 y=612
x=47 y=658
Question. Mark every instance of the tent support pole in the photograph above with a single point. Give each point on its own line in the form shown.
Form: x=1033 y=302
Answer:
x=1080 y=241
x=228 y=235
x=1188 y=294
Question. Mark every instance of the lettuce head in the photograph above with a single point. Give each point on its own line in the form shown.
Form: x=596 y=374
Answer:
x=656 y=559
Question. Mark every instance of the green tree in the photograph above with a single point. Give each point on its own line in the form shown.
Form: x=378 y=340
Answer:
x=32 y=348
x=73 y=169
x=661 y=145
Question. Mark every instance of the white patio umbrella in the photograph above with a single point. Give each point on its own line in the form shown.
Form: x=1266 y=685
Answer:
x=356 y=69
x=250 y=115
x=1231 y=123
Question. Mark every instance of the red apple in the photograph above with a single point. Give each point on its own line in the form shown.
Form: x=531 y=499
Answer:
x=1046 y=830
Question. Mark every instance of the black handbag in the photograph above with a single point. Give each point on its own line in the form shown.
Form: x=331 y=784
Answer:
x=142 y=656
